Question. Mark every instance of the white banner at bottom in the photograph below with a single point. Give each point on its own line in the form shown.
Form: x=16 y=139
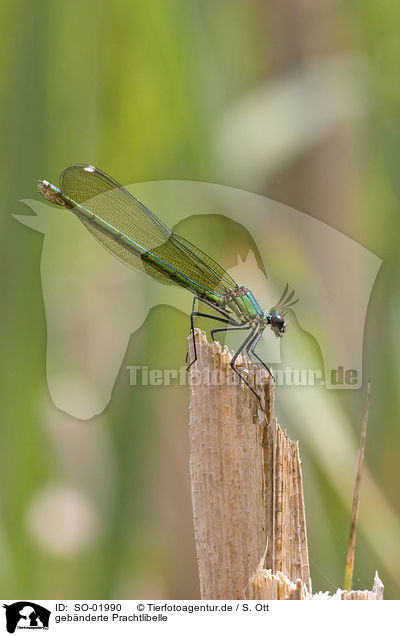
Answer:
x=166 y=617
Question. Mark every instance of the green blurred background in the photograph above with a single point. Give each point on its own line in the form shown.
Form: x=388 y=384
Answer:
x=155 y=90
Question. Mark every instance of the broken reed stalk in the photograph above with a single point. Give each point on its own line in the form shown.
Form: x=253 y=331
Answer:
x=348 y=576
x=247 y=489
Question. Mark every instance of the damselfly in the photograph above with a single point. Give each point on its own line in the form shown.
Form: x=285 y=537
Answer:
x=135 y=235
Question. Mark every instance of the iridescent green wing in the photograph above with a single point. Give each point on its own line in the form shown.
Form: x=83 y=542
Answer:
x=102 y=195
x=99 y=193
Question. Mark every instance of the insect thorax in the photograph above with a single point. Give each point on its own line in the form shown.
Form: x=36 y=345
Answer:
x=243 y=304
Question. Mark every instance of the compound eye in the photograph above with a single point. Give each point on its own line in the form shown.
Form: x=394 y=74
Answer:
x=277 y=320
x=278 y=324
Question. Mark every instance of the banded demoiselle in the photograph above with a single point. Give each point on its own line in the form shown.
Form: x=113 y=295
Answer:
x=135 y=235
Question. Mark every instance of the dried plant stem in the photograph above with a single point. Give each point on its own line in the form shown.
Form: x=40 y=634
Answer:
x=348 y=578
x=246 y=478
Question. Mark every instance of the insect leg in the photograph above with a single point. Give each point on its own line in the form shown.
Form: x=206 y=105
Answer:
x=192 y=316
x=221 y=311
x=246 y=343
x=251 y=351
x=193 y=338
x=192 y=332
x=234 y=327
